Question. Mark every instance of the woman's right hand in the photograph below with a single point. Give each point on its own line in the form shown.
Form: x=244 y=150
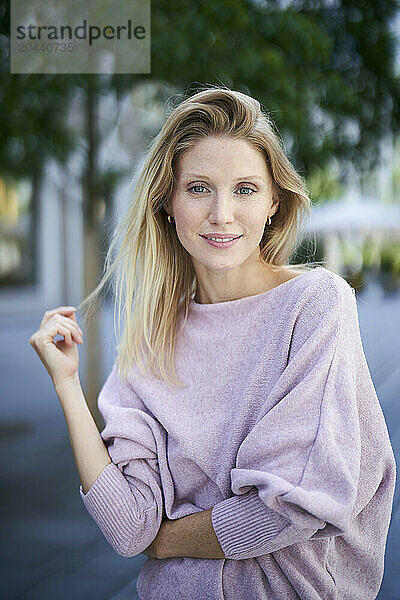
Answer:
x=61 y=358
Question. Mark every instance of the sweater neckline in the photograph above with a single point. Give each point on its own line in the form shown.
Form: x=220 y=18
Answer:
x=239 y=302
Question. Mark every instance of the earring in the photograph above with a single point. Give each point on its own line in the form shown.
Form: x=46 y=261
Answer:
x=268 y=221
x=170 y=219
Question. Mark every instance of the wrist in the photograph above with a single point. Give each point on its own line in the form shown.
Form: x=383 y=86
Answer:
x=67 y=383
x=162 y=543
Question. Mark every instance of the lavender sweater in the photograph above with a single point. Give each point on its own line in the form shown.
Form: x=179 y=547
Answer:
x=280 y=431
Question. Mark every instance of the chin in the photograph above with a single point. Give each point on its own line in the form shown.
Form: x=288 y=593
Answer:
x=220 y=266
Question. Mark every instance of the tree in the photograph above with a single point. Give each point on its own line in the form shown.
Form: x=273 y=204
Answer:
x=325 y=70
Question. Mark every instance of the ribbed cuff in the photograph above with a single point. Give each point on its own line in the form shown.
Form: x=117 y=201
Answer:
x=243 y=525
x=109 y=502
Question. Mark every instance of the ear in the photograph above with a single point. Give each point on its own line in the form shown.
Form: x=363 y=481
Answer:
x=275 y=204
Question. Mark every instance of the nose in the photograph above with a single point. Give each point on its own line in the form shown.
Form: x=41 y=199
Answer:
x=221 y=209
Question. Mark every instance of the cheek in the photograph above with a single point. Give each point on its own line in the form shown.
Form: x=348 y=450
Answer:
x=188 y=220
x=186 y=231
x=185 y=227
x=256 y=223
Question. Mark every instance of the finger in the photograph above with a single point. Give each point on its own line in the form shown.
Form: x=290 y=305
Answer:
x=74 y=319
x=50 y=333
x=74 y=330
x=58 y=328
x=58 y=319
x=63 y=310
x=70 y=322
x=44 y=334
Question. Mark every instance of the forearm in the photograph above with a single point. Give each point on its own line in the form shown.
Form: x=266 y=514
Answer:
x=191 y=536
x=88 y=448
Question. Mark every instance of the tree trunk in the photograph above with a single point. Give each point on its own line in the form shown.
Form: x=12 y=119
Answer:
x=92 y=253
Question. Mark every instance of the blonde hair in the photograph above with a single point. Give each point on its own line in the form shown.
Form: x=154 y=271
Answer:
x=152 y=274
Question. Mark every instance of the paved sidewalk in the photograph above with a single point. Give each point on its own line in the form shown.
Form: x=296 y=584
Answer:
x=51 y=547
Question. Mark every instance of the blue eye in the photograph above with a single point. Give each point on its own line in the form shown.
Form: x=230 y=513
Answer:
x=196 y=186
x=243 y=187
x=246 y=187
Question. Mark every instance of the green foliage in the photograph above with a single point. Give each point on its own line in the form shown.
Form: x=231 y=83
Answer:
x=324 y=183
x=324 y=70
x=390 y=256
x=31 y=122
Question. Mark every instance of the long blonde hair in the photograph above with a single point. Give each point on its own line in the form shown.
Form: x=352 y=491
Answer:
x=152 y=274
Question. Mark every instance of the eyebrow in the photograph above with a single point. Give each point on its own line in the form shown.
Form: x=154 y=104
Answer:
x=198 y=176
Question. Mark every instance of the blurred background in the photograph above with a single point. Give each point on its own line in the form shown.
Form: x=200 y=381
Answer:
x=329 y=73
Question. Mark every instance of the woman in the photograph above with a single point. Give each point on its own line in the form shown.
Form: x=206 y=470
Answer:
x=264 y=470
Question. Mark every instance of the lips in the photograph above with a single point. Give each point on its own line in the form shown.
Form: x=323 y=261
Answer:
x=222 y=237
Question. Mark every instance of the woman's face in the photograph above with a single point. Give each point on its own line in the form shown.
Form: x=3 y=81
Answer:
x=223 y=187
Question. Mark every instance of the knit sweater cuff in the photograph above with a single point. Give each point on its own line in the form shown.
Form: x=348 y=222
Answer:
x=243 y=525
x=109 y=502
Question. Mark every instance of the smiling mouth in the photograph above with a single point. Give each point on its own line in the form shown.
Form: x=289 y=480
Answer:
x=218 y=238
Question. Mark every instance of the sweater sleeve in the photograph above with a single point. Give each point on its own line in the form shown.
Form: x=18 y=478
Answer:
x=126 y=500
x=297 y=471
